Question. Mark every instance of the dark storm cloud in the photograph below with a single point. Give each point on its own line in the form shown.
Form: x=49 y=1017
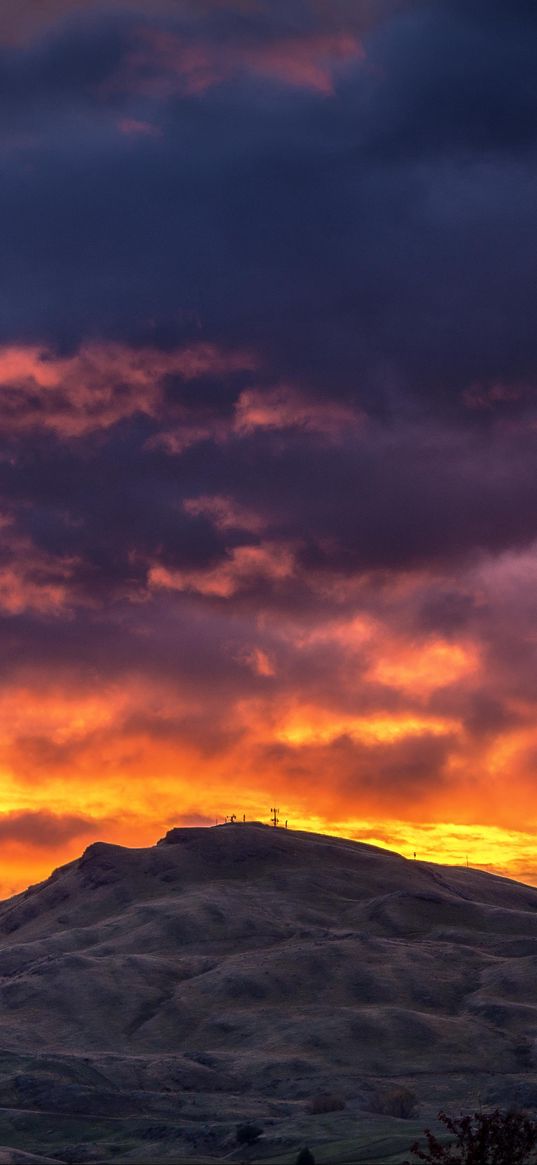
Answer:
x=378 y=502
x=342 y=235
x=67 y=68
x=44 y=829
x=32 y=19
x=456 y=78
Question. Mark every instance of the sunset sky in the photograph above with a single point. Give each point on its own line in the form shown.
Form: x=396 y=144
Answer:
x=268 y=410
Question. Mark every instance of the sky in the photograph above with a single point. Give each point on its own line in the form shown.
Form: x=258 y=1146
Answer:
x=268 y=424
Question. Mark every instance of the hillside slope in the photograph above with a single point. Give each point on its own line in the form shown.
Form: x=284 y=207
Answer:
x=155 y=997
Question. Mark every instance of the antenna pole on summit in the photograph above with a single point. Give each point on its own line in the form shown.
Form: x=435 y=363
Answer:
x=274 y=819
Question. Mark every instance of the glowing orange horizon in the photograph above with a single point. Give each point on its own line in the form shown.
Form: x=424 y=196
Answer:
x=357 y=729
x=509 y=853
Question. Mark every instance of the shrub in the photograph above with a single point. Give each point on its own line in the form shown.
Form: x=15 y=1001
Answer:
x=494 y=1138
x=325 y=1103
x=248 y=1134
x=398 y=1101
x=305 y=1157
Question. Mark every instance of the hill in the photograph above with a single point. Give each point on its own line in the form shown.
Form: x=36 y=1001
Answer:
x=152 y=999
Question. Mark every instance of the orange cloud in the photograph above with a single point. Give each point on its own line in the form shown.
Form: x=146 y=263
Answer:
x=241 y=568
x=308 y=62
x=283 y=407
x=339 y=717
x=263 y=409
x=31 y=579
x=134 y=756
x=224 y=512
x=100 y=385
x=260 y=662
x=132 y=127
x=423 y=668
x=164 y=62
x=318 y=726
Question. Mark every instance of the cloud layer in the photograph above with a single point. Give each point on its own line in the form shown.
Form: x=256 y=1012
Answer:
x=268 y=419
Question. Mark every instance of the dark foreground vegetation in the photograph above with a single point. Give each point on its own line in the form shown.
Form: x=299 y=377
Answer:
x=495 y=1138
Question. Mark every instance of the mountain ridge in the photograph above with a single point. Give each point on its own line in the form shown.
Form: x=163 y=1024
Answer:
x=237 y=973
